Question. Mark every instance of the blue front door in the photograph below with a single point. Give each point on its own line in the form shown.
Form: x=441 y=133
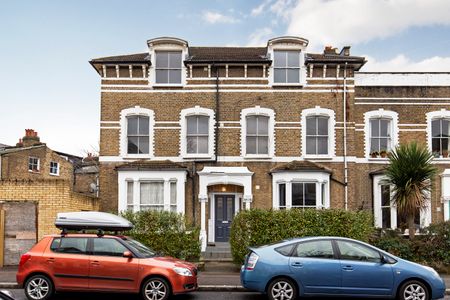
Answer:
x=316 y=268
x=224 y=211
x=363 y=273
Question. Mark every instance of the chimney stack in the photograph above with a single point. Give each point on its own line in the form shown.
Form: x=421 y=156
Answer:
x=330 y=50
x=31 y=138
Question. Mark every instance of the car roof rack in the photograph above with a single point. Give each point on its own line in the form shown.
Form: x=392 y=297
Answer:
x=91 y=220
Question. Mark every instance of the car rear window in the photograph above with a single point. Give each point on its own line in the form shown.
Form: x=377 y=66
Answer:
x=69 y=245
x=285 y=250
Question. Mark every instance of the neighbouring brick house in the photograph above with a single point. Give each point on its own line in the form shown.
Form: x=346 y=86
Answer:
x=209 y=131
x=36 y=183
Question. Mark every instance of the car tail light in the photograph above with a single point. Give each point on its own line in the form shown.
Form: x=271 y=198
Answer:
x=251 y=261
x=23 y=259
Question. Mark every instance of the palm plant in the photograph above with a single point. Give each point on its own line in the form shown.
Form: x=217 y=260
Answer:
x=410 y=174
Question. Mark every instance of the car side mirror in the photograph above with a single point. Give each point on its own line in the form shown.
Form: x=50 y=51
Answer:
x=127 y=254
x=387 y=260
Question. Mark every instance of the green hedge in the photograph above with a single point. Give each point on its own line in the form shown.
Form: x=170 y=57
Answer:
x=165 y=232
x=432 y=247
x=258 y=227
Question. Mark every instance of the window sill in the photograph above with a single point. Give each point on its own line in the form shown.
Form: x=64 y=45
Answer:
x=299 y=84
x=442 y=158
x=313 y=157
x=51 y=174
x=197 y=156
x=34 y=171
x=158 y=85
x=148 y=156
x=378 y=158
x=250 y=156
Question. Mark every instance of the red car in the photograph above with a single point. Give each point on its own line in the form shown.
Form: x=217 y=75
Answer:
x=90 y=262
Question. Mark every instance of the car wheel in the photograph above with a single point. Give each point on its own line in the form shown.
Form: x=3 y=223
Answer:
x=155 y=289
x=413 y=290
x=282 y=289
x=38 y=287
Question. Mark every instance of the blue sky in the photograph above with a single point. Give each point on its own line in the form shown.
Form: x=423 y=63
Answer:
x=47 y=84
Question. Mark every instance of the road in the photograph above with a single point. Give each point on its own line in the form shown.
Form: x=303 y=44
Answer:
x=19 y=295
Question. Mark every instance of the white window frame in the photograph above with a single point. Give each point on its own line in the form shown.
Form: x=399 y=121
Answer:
x=441 y=114
x=200 y=111
x=136 y=111
x=38 y=169
x=380 y=114
x=166 y=44
x=445 y=193
x=258 y=111
x=318 y=111
x=287 y=67
x=425 y=214
x=321 y=179
x=286 y=44
x=57 y=168
x=138 y=177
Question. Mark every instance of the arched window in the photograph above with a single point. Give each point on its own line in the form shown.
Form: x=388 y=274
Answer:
x=318 y=137
x=381 y=132
x=136 y=132
x=197 y=132
x=257 y=132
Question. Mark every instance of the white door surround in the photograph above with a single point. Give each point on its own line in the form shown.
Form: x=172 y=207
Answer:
x=221 y=175
x=212 y=211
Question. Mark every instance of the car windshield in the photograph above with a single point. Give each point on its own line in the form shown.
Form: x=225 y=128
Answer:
x=140 y=248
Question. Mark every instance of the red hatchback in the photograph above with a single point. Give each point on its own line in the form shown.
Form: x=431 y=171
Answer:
x=107 y=263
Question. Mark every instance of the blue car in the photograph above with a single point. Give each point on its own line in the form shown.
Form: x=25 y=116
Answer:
x=334 y=266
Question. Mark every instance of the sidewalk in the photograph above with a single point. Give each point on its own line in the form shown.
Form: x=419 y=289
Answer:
x=207 y=281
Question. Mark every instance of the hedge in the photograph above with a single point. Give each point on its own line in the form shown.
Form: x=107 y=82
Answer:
x=165 y=232
x=431 y=247
x=259 y=227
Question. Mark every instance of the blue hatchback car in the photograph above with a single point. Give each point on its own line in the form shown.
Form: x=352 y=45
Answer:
x=334 y=266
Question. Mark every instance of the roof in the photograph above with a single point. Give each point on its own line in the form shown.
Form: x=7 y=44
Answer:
x=142 y=165
x=128 y=58
x=300 y=165
x=4 y=146
x=17 y=149
x=335 y=58
x=228 y=54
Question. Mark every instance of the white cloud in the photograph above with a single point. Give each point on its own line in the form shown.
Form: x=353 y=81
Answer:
x=215 y=17
x=260 y=8
x=340 y=22
x=260 y=37
x=402 y=63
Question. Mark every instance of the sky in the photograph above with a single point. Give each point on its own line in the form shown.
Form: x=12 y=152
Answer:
x=47 y=83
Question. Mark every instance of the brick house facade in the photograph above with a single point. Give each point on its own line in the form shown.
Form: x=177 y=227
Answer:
x=209 y=131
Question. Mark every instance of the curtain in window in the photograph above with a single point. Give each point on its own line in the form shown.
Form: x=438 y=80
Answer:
x=197 y=134
x=257 y=135
x=152 y=195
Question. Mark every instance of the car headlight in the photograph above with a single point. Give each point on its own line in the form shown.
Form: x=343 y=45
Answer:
x=432 y=271
x=182 y=271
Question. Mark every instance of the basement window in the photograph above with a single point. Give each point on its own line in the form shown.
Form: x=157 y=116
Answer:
x=33 y=164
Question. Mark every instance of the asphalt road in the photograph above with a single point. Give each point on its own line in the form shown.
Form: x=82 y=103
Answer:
x=19 y=295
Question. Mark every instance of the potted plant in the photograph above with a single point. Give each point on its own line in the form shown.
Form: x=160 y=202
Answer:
x=374 y=154
x=445 y=153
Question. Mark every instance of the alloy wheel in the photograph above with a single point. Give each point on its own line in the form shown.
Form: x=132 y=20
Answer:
x=282 y=290
x=155 y=289
x=414 y=291
x=38 y=288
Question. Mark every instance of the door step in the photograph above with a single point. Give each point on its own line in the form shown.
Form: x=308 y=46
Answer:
x=224 y=266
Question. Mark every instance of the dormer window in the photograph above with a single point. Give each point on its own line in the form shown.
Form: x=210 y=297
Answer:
x=168 y=67
x=286 y=66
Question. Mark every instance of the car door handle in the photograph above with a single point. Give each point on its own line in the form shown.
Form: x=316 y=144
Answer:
x=297 y=264
x=50 y=260
x=347 y=268
x=95 y=263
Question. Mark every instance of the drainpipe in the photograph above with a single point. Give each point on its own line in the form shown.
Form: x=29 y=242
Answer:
x=217 y=117
x=345 y=141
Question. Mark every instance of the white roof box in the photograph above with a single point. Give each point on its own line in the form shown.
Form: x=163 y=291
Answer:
x=92 y=220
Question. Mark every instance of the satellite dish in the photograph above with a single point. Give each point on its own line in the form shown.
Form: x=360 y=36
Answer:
x=92 y=187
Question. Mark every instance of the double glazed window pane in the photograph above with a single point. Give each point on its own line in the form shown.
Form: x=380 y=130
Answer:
x=168 y=67
x=173 y=196
x=282 y=195
x=130 y=191
x=197 y=134
x=257 y=135
x=386 y=206
x=152 y=195
x=440 y=131
x=380 y=135
x=303 y=194
x=286 y=66
x=138 y=134
x=317 y=135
